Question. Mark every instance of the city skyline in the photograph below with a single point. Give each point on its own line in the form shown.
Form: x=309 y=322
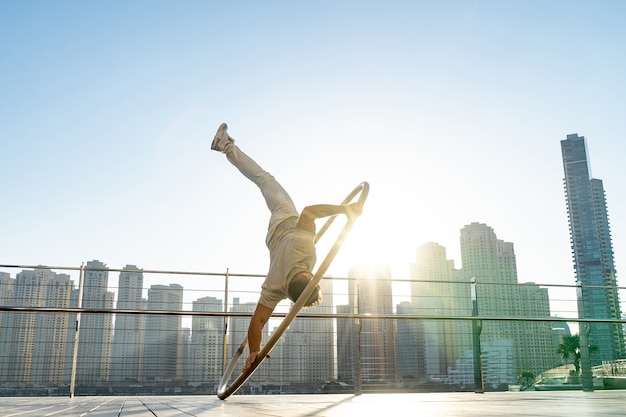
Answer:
x=452 y=111
x=417 y=352
x=247 y=289
x=163 y=350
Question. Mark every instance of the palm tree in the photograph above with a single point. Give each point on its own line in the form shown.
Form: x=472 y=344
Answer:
x=570 y=347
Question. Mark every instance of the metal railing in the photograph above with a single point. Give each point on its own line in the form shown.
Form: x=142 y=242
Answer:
x=148 y=334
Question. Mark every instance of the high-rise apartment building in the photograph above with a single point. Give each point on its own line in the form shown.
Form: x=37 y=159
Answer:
x=127 y=351
x=438 y=290
x=206 y=349
x=308 y=348
x=6 y=289
x=21 y=327
x=347 y=346
x=411 y=347
x=377 y=336
x=592 y=250
x=186 y=352
x=33 y=345
x=7 y=284
x=51 y=334
x=96 y=330
x=534 y=301
x=492 y=262
x=162 y=354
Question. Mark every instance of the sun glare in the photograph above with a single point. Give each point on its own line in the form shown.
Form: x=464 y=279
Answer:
x=371 y=245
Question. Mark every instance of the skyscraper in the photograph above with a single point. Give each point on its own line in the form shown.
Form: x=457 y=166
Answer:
x=410 y=346
x=592 y=250
x=492 y=262
x=7 y=285
x=126 y=356
x=347 y=346
x=378 y=342
x=162 y=355
x=438 y=289
x=96 y=330
x=49 y=353
x=33 y=345
x=6 y=289
x=308 y=350
x=206 y=349
x=30 y=290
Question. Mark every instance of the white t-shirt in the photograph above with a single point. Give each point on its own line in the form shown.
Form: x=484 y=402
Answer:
x=291 y=251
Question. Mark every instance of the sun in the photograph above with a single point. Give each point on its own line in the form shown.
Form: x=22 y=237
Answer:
x=370 y=243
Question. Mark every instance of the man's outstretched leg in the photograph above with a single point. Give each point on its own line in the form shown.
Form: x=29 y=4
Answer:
x=278 y=201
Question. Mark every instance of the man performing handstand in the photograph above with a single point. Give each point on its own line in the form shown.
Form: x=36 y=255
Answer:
x=290 y=240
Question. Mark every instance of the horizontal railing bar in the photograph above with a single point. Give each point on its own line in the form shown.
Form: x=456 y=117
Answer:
x=365 y=316
x=145 y=271
x=69 y=268
x=220 y=274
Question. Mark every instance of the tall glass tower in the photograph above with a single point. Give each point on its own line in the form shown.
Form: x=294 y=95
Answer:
x=592 y=250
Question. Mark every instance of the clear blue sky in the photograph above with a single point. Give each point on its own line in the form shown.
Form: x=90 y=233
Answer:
x=452 y=110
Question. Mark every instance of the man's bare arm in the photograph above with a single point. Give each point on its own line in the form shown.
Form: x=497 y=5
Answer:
x=255 y=331
x=311 y=213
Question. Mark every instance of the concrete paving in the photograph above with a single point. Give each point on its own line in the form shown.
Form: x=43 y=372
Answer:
x=561 y=404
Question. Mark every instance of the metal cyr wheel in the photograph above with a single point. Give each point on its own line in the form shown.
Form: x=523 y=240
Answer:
x=224 y=390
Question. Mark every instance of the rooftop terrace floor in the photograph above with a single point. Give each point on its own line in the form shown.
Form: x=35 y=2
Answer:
x=561 y=403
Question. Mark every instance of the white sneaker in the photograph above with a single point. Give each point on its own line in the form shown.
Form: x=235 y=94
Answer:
x=221 y=138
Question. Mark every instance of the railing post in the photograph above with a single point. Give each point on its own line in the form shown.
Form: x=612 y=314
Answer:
x=224 y=356
x=81 y=278
x=477 y=327
x=358 y=385
x=583 y=332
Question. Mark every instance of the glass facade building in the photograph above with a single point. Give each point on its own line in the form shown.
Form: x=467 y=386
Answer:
x=592 y=250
